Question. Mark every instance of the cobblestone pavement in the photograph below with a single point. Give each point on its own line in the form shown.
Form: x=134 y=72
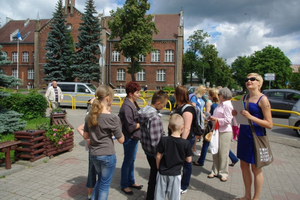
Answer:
x=64 y=176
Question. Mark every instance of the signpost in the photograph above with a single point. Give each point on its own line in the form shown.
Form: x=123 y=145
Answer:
x=270 y=77
x=102 y=61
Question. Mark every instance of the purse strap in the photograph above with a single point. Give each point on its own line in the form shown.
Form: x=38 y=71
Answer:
x=249 y=121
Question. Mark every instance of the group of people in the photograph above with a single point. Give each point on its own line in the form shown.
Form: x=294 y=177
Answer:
x=170 y=156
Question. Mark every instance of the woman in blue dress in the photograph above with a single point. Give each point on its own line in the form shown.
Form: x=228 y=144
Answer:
x=260 y=114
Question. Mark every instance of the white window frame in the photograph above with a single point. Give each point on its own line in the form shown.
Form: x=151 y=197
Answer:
x=155 y=56
x=140 y=76
x=142 y=58
x=127 y=59
x=161 y=75
x=30 y=74
x=115 y=56
x=120 y=74
x=25 y=56
x=14 y=57
x=14 y=73
x=169 y=56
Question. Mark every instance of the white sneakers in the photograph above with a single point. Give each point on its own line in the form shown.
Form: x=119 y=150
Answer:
x=183 y=191
x=196 y=153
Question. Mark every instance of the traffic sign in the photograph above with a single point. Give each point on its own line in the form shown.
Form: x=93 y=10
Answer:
x=270 y=77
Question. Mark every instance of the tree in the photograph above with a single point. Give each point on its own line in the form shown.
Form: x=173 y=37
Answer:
x=59 y=51
x=134 y=29
x=86 y=66
x=295 y=83
x=240 y=69
x=272 y=60
x=190 y=62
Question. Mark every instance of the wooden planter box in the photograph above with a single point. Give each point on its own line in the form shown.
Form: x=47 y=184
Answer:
x=67 y=145
x=33 y=144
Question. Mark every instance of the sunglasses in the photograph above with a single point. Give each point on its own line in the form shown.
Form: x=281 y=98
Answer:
x=251 y=79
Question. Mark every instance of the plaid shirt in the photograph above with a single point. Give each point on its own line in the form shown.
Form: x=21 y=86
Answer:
x=151 y=129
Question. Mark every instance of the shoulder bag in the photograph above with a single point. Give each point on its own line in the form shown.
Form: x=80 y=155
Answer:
x=262 y=150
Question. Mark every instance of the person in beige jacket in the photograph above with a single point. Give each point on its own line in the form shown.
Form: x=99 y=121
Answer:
x=54 y=95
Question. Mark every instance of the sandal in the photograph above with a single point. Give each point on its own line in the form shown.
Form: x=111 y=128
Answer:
x=211 y=176
x=197 y=164
x=223 y=179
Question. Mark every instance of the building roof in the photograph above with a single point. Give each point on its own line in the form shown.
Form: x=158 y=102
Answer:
x=26 y=28
x=295 y=68
x=167 y=25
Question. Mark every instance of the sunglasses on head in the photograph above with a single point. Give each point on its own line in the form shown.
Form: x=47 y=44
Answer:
x=251 y=79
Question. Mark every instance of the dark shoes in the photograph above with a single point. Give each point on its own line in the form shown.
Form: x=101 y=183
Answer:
x=197 y=164
x=128 y=193
x=232 y=164
x=136 y=186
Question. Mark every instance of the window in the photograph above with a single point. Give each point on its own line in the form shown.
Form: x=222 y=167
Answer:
x=169 y=56
x=161 y=75
x=30 y=74
x=3 y=55
x=142 y=58
x=157 y=88
x=155 y=56
x=14 y=57
x=115 y=56
x=127 y=60
x=14 y=73
x=81 y=88
x=140 y=76
x=121 y=75
x=33 y=57
x=25 y=57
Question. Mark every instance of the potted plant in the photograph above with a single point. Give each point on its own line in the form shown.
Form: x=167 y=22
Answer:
x=58 y=134
x=58 y=110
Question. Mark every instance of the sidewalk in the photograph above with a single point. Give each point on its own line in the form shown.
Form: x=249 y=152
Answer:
x=64 y=176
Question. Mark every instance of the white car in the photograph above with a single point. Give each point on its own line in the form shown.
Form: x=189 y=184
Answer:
x=120 y=93
x=294 y=119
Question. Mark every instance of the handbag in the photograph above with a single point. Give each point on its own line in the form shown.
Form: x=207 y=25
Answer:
x=214 y=142
x=208 y=136
x=208 y=131
x=262 y=150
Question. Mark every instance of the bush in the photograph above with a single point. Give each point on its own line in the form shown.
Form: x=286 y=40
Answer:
x=169 y=88
x=32 y=105
x=10 y=121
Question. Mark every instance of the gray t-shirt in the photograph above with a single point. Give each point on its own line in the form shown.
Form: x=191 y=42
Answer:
x=101 y=142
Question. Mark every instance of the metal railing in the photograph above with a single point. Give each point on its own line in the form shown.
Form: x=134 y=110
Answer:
x=286 y=111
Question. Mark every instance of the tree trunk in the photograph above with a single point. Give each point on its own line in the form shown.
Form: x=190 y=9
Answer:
x=132 y=70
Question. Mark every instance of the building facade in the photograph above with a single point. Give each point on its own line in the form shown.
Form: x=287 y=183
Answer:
x=161 y=68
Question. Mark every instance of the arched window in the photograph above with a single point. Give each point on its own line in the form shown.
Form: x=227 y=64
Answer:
x=169 y=56
x=25 y=57
x=116 y=56
x=121 y=75
x=140 y=76
x=30 y=74
x=161 y=75
x=14 y=57
x=155 y=56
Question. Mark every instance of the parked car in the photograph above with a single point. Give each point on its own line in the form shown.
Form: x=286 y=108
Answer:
x=294 y=119
x=82 y=91
x=120 y=93
x=283 y=99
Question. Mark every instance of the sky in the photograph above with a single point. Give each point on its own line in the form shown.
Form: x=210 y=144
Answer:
x=237 y=27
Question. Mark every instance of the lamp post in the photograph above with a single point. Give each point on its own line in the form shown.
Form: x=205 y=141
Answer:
x=101 y=60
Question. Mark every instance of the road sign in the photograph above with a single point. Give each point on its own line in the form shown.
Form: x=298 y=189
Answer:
x=270 y=77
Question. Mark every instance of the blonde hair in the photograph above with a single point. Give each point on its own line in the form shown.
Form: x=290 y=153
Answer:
x=175 y=123
x=258 y=78
x=213 y=92
x=101 y=93
x=200 y=91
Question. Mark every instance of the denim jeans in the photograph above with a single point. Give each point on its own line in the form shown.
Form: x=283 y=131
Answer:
x=91 y=179
x=105 y=166
x=152 y=177
x=187 y=170
x=130 y=147
x=232 y=157
x=202 y=157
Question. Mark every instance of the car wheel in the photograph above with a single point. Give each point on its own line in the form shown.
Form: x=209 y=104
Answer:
x=298 y=130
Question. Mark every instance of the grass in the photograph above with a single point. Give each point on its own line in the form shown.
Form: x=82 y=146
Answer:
x=31 y=124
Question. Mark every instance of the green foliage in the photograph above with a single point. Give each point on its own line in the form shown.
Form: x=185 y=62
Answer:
x=58 y=133
x=58 y=47
x=295 y=83
x=10 y=121
x=31 y=106
x=7 y=137
x=3 y=59
x=168 y=88
x=41 y=123
x=135 y=31
x=86 y=66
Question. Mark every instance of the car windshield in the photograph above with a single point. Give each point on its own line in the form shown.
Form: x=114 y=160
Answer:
x=92 y=87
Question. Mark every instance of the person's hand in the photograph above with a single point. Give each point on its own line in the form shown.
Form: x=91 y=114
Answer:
x=213 y=118
x=245 y=113
x=234 y=112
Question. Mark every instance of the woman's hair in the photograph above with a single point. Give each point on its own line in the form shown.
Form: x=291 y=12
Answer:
x=213 y=92
x=258 y=78
x=132 y=87
x=226 y=93
x=97 y=107
x=200 y=91
x=182 y=95
x=175 y=123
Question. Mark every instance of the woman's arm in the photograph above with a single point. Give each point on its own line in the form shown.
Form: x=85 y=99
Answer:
x=86 y=135
x=121 y=139
x=188 y=119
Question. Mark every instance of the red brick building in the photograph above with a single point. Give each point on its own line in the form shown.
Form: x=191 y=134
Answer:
x=161 y=68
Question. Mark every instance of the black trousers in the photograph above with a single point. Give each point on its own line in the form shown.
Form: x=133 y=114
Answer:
x=152 y=177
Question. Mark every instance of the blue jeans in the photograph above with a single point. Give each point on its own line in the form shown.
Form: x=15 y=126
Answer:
x=105 y=166
x=130 y=147
x=202 y=157
x=232 y=157
x=187 y=170
x=91 y=179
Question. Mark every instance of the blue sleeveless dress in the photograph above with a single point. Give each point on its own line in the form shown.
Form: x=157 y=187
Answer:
x=245 y=147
